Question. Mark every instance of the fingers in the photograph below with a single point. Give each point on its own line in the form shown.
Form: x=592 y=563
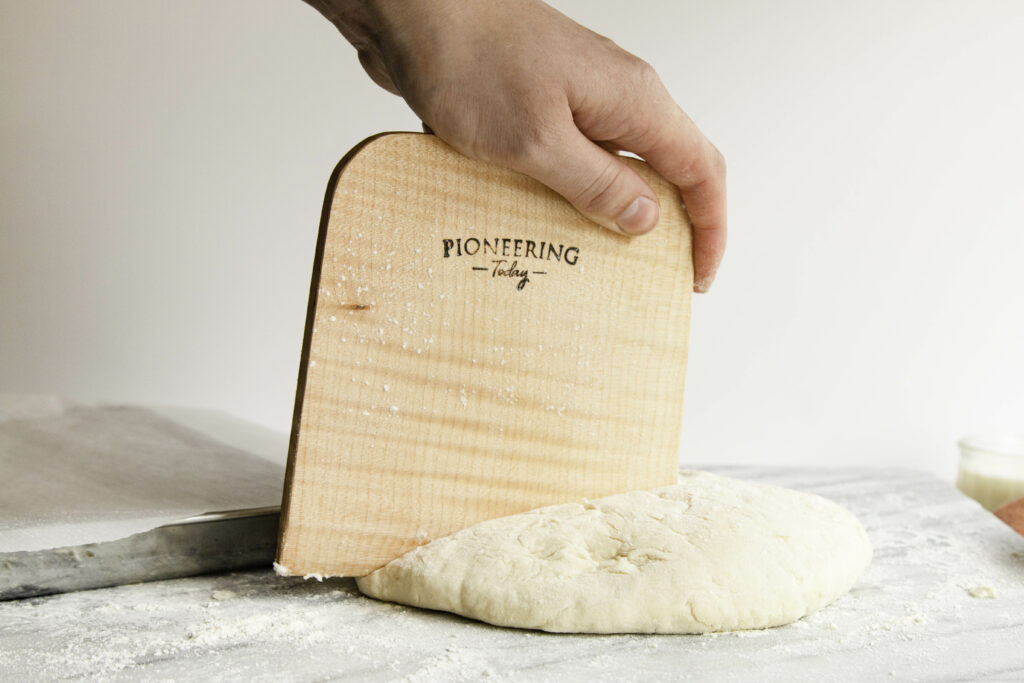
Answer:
x=595 y=181
x=674 y=146
x=705 y=201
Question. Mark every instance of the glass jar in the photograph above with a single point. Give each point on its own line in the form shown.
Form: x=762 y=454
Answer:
x=992 y=468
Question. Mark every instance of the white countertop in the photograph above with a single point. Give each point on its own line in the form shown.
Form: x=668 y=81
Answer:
x=911 y=617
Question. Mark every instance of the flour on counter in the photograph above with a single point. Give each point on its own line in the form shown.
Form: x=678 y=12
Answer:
x=931 y=544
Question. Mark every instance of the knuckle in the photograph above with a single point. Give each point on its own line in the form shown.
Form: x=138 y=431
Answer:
x=644 y=74
x=700 y=165
x=690 y=168
x=600 y=194
x=608 y=44
x=717 y=160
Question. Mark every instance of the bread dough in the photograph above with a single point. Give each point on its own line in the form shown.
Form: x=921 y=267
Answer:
x=708 y=554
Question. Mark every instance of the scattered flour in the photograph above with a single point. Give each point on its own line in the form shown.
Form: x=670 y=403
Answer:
x=255 y=626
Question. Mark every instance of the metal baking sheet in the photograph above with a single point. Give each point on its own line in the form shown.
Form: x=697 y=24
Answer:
x=97 y=495
x=202 y=544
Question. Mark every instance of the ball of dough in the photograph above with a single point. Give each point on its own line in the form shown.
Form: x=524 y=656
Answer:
x=708 y=554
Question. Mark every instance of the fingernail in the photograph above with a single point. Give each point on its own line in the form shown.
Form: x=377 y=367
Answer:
x=702 y=285
x=639 y=217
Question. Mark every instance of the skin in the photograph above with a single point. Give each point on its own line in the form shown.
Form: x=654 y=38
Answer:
x=516 y=83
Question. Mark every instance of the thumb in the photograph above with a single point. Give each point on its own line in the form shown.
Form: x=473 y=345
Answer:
x=596 y=182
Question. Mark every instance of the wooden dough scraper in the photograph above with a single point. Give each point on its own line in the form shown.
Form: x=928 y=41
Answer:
x=474 y=347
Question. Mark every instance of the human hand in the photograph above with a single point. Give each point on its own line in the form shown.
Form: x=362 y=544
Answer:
x=516 y=83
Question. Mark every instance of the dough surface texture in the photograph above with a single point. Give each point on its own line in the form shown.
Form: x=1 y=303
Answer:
x=708 y=554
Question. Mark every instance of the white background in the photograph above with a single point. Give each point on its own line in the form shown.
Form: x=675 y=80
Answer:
x=162 y=168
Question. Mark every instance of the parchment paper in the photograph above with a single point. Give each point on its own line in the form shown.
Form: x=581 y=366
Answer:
x=73 y=473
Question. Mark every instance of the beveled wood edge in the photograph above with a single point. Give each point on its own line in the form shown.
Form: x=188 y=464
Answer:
x=307 y=335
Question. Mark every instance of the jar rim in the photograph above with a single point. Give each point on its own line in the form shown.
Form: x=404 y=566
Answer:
x=997 y=443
